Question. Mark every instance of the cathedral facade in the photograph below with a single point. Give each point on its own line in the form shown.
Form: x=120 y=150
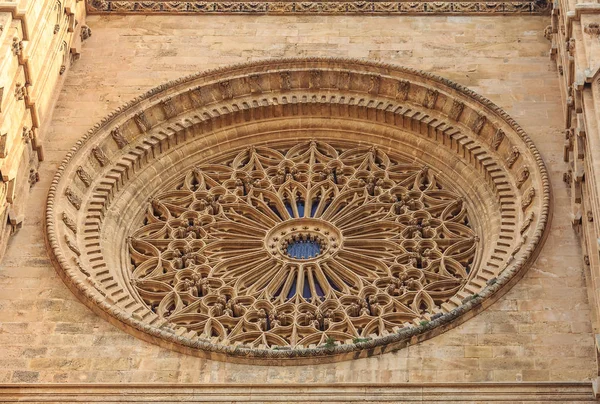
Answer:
x=298 y=201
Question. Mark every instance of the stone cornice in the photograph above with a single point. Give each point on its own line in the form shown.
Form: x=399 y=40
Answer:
x=318 y=7
x=293 y=393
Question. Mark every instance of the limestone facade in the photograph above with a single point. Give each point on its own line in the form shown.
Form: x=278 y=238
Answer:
x=574 y=34
x=38 y=42
x=539 y=331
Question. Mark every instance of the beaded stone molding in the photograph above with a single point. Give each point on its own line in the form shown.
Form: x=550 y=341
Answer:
x=298 y=210
x=359 y=7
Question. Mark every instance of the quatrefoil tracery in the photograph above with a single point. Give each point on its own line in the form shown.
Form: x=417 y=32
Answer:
x=290 y=246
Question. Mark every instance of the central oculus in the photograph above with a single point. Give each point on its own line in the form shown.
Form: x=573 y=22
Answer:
x=303 y=239
x=303 y=247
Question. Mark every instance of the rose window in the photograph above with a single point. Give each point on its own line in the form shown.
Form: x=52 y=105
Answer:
x=298 y=211
x=298 y=245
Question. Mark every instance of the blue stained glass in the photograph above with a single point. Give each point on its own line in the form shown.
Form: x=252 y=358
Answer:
x=320 y=292
x=288 y=207
x=314 y=207
x=306 y=289
x=303 y=249
x=332 y=283
x=292 y=291
x=300 y=205
x=274 y=209
x=279 y=290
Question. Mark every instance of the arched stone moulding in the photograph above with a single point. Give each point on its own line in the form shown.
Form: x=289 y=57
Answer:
x=99 y=197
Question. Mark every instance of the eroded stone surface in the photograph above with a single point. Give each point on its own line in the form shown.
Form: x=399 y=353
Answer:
x=538 y=331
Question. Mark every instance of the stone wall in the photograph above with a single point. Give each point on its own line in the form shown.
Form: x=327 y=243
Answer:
x=539 y=331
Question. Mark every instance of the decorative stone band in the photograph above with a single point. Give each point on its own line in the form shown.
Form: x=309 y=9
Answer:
x=319 y=7
x=540 y=392
x=99 y=196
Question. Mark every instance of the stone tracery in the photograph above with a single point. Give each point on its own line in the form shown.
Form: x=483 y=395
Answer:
x=383 y=243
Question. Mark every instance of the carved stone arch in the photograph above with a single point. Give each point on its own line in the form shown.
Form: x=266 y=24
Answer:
x=195 y=233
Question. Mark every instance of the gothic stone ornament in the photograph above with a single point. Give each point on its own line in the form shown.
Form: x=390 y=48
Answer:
x=34 y=177
x=84 y=176
x=592 y=29
x=402 y=89
x=285 y=78
x=71 y=225
x=353 y=7
x=17 y=46
x=292 y=246
x=497 y=139
x=478 y=123
x=196 y=97
x=100 y=156
x=169 y=108
x=284 y=219
x=374 y=84
x=86 y=32
x=513 y=156
x=456 y=110
x=254 y=83
x=430 y=98
x=119 y=138
x=141 y=120
x=20 y=91
x=73 y=198
x=27 y=134
x=226 y=90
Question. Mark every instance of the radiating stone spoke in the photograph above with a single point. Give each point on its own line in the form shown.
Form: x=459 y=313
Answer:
x=293 y=246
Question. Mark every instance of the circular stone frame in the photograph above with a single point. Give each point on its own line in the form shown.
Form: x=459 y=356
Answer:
x=101 y=188
x=320 y=229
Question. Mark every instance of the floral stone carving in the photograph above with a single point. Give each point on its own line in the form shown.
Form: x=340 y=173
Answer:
x=354 y=7
x=344 y=209
x=299 y=244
